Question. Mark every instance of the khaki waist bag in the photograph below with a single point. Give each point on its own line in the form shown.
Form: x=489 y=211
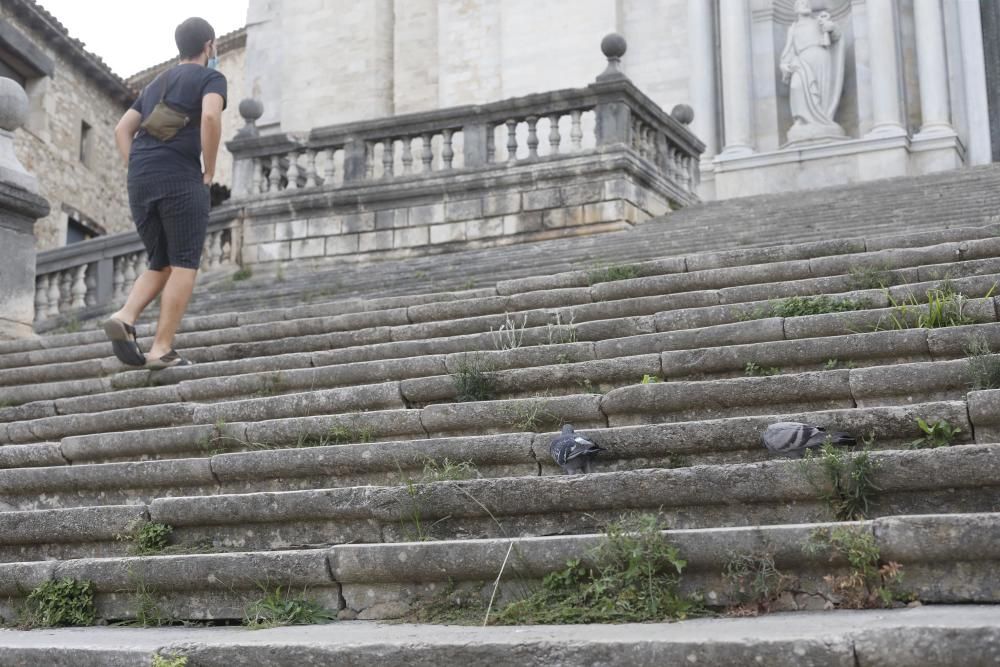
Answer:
x=164 y=122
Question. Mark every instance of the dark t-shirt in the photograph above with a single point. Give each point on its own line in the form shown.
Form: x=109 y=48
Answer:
x=179 y=157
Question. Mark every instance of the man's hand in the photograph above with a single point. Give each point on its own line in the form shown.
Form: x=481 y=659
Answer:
x=125 y=131
x=206 y=178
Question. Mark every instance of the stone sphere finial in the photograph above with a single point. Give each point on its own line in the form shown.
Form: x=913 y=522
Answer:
x=251 y=110
x=614 y=47
x=13 y=105
x=683 y=114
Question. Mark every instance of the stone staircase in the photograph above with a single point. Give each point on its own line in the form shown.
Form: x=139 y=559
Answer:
x=317 y=445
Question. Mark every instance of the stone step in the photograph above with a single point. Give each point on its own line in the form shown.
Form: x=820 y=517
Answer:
x=962 y=479
x=281 y=465
x=928 y=636
x=384 y=580
x=672 y=275
x=50 y=381
x=675 y=400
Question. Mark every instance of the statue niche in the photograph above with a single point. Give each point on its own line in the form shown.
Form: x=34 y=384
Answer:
x=812 y=64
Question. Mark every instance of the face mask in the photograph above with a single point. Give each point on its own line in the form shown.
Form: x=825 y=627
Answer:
x=213 y=63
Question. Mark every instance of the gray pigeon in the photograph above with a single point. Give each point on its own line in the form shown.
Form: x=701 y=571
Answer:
x=792 y=439
x=572 y=452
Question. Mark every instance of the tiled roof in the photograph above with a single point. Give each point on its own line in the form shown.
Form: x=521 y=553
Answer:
x=92 y=65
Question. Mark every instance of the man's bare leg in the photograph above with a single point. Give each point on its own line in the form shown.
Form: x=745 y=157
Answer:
x=173 y=302
x=146 y=288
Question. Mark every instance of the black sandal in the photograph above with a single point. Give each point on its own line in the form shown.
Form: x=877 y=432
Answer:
x=170 y=360
x=124 y=342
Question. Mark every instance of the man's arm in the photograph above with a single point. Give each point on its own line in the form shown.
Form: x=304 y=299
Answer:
x=211 y=132
x=125 y=131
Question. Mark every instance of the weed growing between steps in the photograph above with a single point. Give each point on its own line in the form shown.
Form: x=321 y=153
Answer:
x=60 y=602
x=274 y=384
x=531 y=417
x=632 y=576
x=870 y=583
x=753 y=369
x=169 y=661
x=872 y=277
x=147 y=539
x=984 y=366
x=834 y=364
x=797 y=306
x=755 y=583
x=475 y=380
x=651 y=379
x=245 y=273
x=146 y=613
x=939 y=434
x=844 y=480
x=340 y=434
x=280 y=606
x=509 y=336
x=613 y=273
x=561 y=333
x=448 y=471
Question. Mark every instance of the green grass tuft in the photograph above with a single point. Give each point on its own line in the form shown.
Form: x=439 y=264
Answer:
x=60 y=602
x=280 y=606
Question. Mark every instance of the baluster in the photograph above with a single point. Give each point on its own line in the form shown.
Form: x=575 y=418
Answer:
x=128 y=274
x=79 y=289
x=311 y=168
x=532 y=136
x=118 y=280
x=257 y=179
x=330 y=170
x=388 y=158
x=407 y=155
x=65 y=290
x=41 y=297
x=427 y=154
x=447 y=151
x=293 y=171
x=576 y=131
x=369 y=160
x=511 y=140
x=554 y=137
x=53 y=309
x=215 y=250
x=491 y=148
x=274 y=178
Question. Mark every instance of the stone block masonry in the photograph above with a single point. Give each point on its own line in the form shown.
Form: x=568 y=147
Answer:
x=478 y=217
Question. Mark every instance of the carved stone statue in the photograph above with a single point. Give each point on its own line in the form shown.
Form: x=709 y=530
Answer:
x=812 y=65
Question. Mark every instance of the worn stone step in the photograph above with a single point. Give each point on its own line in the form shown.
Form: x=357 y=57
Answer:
x=418 y=321
x=927 y=636
x=954 y=480
x=385 y=581
x=279 y=465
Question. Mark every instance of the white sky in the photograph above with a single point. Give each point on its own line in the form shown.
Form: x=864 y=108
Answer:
x=131 y=36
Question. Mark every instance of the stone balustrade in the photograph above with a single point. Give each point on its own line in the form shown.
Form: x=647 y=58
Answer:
x=550 y=164
x=88 y=277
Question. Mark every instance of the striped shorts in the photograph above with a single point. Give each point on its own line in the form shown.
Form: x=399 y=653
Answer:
x=171 y=216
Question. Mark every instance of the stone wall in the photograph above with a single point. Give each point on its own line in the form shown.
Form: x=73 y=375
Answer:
x=49 y=146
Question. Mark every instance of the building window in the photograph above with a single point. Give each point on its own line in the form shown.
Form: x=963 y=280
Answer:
x=86 y=142
x=76 y=231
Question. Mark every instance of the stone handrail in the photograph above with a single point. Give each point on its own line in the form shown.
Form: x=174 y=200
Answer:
x=534 y=128
x=89 y=276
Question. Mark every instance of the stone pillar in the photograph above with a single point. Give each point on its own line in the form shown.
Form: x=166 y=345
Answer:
x=701 y=32
x=20 y=208
x=887 y=100
x=970 y=28
x=737 y=77
x=932 y=67
x=990 y=10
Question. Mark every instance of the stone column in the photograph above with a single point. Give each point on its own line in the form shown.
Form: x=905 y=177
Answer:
x=883 y=40
x=737 y=77
x=701 y=32
x=990 y=16
x=20 y=208
x=970 y=28
x=932 y=68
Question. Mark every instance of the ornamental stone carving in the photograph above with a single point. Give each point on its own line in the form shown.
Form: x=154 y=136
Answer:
x=812 y=64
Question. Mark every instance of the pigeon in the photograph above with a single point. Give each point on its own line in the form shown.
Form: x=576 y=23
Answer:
x=792 y=439
x=572 y=452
